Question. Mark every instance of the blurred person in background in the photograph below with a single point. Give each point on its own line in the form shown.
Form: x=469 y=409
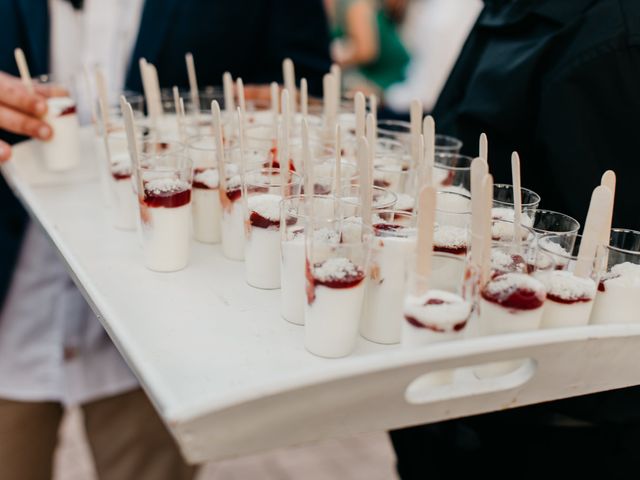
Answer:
x=558 y=81
x=366 y=43
x=53 y=351
x=433 y=32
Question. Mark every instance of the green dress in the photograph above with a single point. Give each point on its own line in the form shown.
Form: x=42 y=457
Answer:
x=391 y=64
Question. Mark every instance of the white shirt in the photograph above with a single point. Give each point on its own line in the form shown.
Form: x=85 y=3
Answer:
x=52 y=347
x=434 y=32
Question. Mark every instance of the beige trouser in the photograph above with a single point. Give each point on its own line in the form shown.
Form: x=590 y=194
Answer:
x=126 y=436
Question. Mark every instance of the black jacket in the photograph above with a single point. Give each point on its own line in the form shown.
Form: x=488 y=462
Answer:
x=558 y=81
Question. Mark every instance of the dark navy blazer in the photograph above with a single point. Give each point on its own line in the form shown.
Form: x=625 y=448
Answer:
x=249 y=38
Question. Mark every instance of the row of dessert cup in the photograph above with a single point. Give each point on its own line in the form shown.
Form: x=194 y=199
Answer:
x=338 y=287
x=261 y=200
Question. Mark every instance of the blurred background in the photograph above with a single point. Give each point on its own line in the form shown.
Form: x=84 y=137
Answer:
x=399 y=49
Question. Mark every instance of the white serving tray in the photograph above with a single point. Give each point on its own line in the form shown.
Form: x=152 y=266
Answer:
x=230 y=377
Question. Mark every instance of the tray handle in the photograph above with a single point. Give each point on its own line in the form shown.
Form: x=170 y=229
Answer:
x=450 y=384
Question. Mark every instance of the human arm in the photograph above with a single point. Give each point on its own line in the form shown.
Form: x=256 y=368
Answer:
x=360 y=45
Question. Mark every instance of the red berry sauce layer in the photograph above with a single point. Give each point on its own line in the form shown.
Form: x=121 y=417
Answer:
x=515 y=291
x=71 y=110
x=336 y=273
x=166 y=193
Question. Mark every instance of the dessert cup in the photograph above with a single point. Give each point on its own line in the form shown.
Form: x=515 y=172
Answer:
x=618 y=296
x=62 y=151
x=165 y=211
x=570 y=298
x=206 y=206
x=336 y=277
x=393 y=242
x=437 y=309
x=263 y=191
x=293 y=219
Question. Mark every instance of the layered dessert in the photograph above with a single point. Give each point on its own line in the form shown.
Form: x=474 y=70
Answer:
x=618 y=297
x=335 y=293
x=124 y=201
x=232 y=225
x=391 y=246
x=165 y=211
x=293 y=295
x=569 y=299
x=262 y=243
x=62 y=151
x=437 y=316
x=207 y=209
x=509 y=303
x=451 y=239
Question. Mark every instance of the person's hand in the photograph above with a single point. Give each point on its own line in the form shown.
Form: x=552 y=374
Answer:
x=21 y=112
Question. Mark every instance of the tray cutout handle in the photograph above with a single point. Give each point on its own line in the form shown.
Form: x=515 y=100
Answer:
x=468 y=381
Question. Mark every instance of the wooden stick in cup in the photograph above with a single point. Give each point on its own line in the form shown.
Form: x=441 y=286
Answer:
x=283 y=150
x=479 y=170
x=241 y=100
x=179 y=119
x=328 y=84
x=609 y=181
x=366 y=190
x=182 y=110
x=275 y=107
x=517 y=199
x=336 y=71
x=423 y=172
x=304 y=97
x=216 y=124
x=227 y=87
x=243 y=160
x=306 y=162
x=146 y=88
x=373 y=105
x=289 y=75
x=371 y=133
x=416 y=127
x=426 y=219
x=338 y=167
x=484 y=147
x=23 y=68
x=600 y=211
x=130 y=128
x=429 y=133
x=154 y=82
x=361 y=113
x=487 y=205
x=193 y=83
